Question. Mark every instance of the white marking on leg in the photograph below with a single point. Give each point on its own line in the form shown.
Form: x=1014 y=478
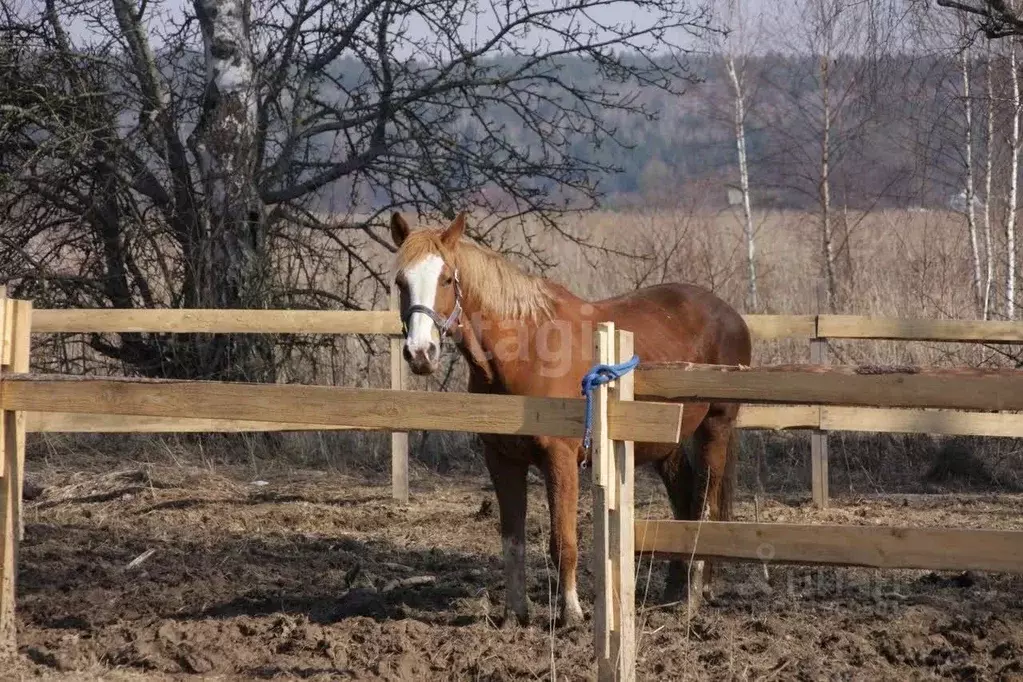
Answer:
x=422 y=281
x=573 y=611
x=697 y=573
x=515 y=576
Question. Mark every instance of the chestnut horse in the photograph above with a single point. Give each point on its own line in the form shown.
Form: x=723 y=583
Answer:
x=526 y=335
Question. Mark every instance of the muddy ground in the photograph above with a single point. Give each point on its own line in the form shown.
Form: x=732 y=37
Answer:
x=155 y=571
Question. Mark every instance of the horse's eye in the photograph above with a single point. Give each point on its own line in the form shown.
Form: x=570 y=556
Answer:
x=447 y=281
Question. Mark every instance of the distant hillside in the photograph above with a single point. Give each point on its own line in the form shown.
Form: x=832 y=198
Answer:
x=895 y=142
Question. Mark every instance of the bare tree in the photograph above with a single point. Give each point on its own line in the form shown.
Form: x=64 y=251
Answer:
x=1000 y=19
x=836 y=108
x=989 y=275
x=941 y=32
x=1013 y=198
x=247 y=161
x=738 y=46
x=828 y=16
x=996 y=18
x=966 y=64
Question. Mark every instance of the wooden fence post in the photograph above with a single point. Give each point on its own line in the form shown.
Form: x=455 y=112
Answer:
x=20 y=314
x=613 y=516
x=603 y=605
x=11 y=480
x=819 y=437
x=399 y=440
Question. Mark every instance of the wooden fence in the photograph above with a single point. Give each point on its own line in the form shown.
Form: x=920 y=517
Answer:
x=320 y=406
x=817 y=329
x=192 y=321
x=811 y=385
x=820 y=420
x=618 y=421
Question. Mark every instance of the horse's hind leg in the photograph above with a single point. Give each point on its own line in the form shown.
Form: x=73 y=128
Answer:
x=509 y=478
x=719 y=454
x=700 y=486
x=678 y=475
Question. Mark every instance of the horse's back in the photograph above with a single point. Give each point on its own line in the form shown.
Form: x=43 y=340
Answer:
x=681 y=323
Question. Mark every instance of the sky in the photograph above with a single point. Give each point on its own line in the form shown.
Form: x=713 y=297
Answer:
x=766 y=25
x=614 y=11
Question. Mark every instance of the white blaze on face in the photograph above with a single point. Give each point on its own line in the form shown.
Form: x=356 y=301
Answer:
x=422 y=279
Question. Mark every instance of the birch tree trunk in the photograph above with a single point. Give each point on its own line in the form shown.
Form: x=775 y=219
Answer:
x=827 y=238
x=989 y=275
x=971 y=214
x=1010 y=217
x=744 y=188
x=232 y=269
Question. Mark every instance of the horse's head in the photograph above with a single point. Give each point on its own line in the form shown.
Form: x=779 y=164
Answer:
x=431 y=298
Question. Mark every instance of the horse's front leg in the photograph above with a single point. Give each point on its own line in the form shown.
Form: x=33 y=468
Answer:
x=561 y=471
x=509 y=479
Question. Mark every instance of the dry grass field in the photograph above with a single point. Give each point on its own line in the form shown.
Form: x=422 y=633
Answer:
x=283 y=557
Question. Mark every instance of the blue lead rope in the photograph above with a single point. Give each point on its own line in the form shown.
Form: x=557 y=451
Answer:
x=601 y=374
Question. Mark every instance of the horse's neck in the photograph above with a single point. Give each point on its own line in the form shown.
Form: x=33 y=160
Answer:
x=495 y=349
x=502 y=351
x=520 y=356
x=483 y=373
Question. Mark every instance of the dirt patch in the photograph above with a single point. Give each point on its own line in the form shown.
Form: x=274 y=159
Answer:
x=169 y=572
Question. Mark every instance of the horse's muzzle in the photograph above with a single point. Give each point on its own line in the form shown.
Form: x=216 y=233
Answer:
x=422 y=361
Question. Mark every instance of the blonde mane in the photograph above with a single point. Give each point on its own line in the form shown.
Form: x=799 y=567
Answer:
x=489 y=281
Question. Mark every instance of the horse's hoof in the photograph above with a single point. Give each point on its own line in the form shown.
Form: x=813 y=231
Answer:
x=678 y=594
x=684 y=598
x=673 y=595
x=570 y=617
x=698 y=597
x=513 y=621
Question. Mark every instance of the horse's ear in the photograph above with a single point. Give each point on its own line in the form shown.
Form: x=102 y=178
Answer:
x=399 y=229
x=455 y=230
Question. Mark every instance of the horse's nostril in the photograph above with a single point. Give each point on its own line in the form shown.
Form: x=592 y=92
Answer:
x=406 y=353
x=433 y=352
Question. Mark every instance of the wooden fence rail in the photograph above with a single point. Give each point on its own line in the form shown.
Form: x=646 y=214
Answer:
x=758 y=417
x=763 y=327
x=936 y=549
x=203 y=321
x=874 y=386
x=908 y=329
x=363 y=408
